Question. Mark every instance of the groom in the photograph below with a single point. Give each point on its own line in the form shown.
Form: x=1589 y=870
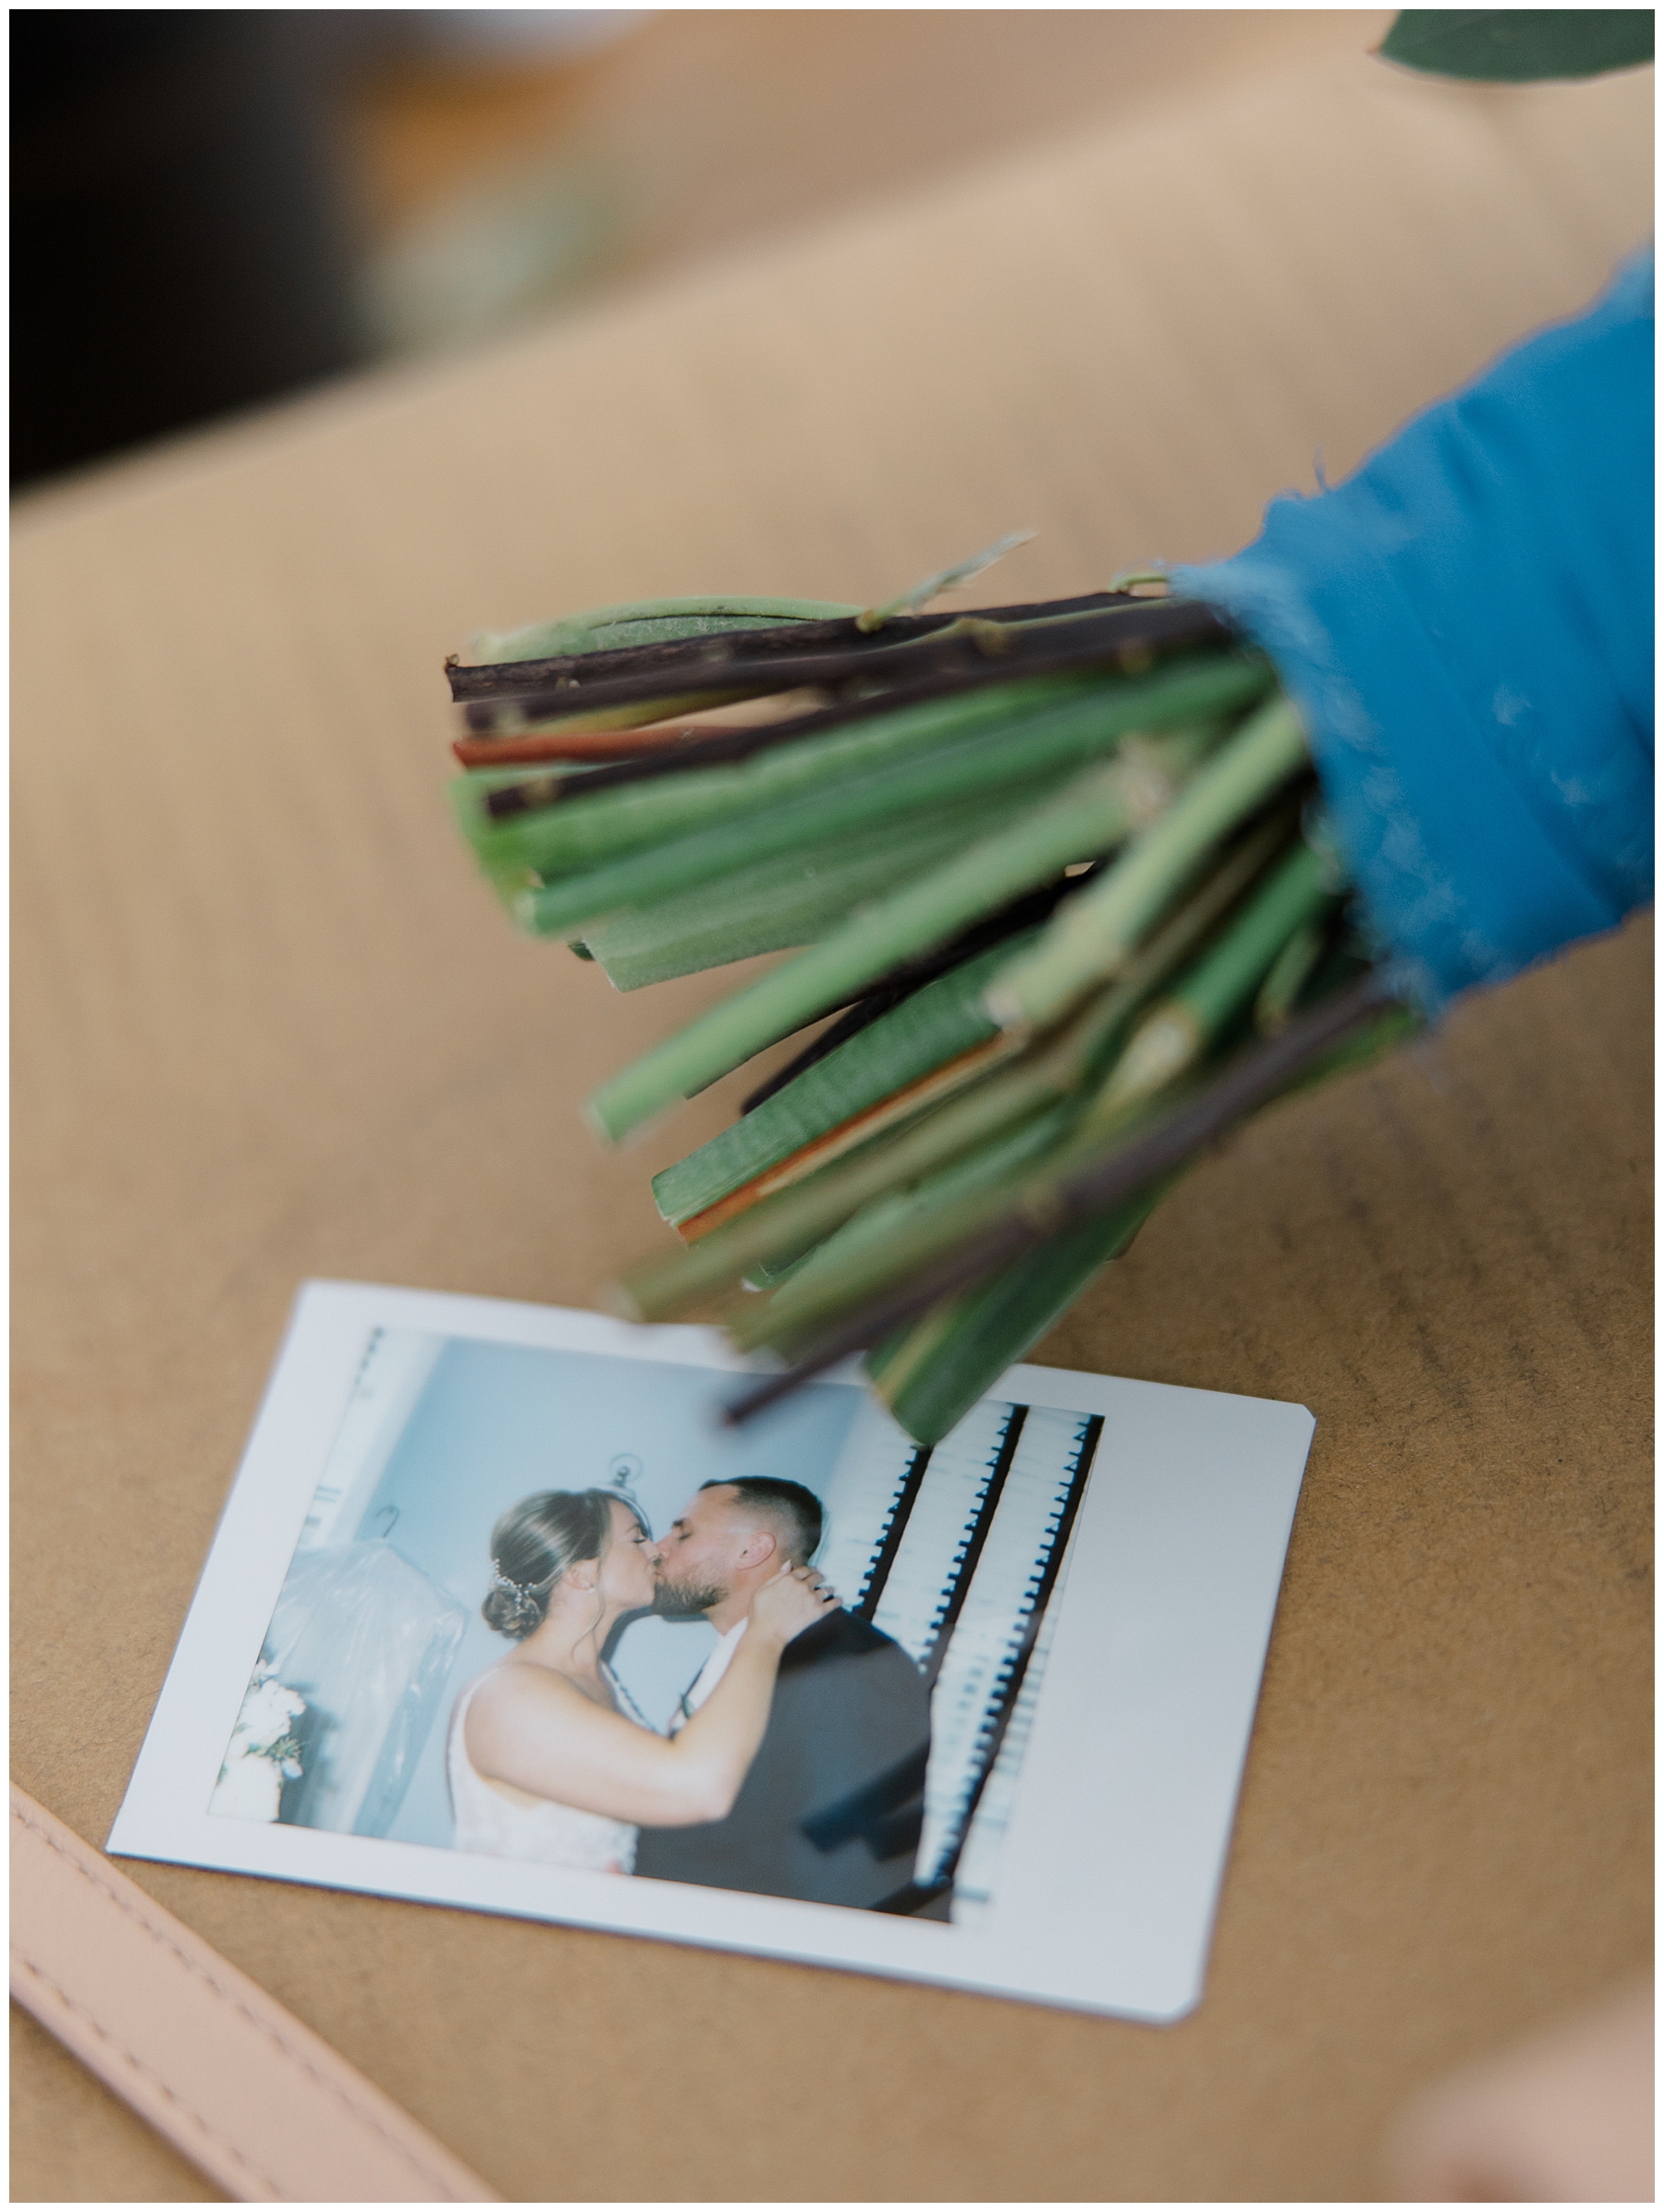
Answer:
x=831 y=1809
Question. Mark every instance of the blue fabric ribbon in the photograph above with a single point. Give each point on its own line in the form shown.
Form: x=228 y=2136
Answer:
x=1465 y=626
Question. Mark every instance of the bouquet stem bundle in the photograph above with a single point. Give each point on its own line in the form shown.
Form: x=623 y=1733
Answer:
x=1057 y=868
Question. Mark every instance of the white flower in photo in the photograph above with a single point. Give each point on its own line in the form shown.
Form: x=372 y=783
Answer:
x=262 y=1751
x=249 y=1788
x=266 y=1713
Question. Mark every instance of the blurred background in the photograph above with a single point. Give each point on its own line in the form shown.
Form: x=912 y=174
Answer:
x=216 y=207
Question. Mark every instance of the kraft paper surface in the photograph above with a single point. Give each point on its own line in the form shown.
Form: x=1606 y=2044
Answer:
x=269 y=1025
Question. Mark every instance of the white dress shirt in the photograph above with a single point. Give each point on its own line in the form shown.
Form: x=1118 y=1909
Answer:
x=709 y=1675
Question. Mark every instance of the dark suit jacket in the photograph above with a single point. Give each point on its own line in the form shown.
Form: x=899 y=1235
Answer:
x=830 y=1810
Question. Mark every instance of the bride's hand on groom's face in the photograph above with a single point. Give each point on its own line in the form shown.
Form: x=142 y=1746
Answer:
x=793 y=1601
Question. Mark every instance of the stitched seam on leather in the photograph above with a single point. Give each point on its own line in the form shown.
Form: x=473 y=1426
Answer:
x=222 y=2142
x=225 y=1996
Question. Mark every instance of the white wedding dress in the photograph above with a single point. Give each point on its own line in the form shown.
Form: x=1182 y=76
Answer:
x=554 y=1835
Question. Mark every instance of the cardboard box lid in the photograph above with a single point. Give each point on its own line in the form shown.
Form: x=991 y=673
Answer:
x=268 y=1025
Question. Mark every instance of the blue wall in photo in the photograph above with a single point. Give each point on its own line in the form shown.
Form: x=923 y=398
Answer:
x=495 y=1422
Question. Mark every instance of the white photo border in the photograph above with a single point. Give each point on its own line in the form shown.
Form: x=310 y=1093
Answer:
x=1111 y=1869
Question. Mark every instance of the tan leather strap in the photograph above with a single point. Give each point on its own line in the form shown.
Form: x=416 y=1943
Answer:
x=261 y=2104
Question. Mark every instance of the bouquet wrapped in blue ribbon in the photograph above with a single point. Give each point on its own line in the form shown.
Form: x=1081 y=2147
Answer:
x=1081 y=884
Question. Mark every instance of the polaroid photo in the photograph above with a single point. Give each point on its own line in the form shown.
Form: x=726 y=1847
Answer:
x=473 y=1632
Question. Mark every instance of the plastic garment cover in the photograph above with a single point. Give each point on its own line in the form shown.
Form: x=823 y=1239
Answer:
x=1466 y=627
x=368 y=1640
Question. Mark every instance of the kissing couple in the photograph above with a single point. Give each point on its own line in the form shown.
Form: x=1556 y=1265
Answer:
x=795 y=1763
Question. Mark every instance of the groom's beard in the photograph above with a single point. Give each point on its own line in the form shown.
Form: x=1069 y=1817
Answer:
x=685 y=1601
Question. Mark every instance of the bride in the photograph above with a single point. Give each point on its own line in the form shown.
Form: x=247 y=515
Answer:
x=547 y=1758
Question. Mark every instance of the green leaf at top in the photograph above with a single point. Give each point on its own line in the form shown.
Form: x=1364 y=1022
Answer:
x=1516 y=46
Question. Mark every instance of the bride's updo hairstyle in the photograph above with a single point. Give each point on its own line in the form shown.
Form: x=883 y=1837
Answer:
x=534 y=1545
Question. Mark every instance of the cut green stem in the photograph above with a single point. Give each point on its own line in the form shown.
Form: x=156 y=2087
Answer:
x=803 y=827
x=1094 y=934
x=936 y=1370
x=793 y=1220
x=1166 y=1049
x=781 y=903
x=486 y=688
x=1094 y=815
x=637 y=622
x=1347 y=1029
x=936 y=1027
x=1176 y=1034
x=861 y=1243
x=970 y=645
x=595 y=824
x=1287 y=976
